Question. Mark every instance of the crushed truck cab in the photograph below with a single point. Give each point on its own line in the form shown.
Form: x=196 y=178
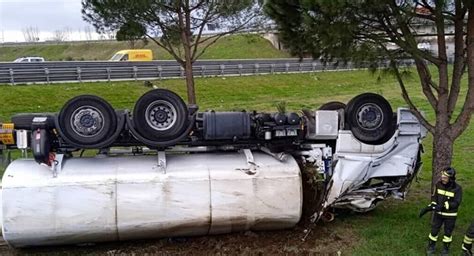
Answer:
x=364 y=175
x=165 y=169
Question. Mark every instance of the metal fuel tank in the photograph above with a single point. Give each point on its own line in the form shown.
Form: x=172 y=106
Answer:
x=132 y=197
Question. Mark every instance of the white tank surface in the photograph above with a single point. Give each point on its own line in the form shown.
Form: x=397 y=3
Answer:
x=133 y=197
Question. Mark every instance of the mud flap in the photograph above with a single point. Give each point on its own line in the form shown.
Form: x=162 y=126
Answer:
x=41 y=141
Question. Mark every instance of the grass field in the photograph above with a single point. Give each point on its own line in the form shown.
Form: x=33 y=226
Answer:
x=231 y=47
x=392 y=229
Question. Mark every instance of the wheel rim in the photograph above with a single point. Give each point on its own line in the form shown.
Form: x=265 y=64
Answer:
x=370 y=116
x=87 y=121
x=160 y=115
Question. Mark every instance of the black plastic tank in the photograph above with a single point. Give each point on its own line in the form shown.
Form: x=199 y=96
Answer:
x=226 y=125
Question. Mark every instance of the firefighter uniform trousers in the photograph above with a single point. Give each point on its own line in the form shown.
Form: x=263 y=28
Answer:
x=448 y=198
x=436 y=223
x=468 y=238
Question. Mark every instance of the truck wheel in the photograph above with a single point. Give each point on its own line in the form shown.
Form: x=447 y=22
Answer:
x=332 y=105
x=87 y=120
x=160 y=115
x=369 y=117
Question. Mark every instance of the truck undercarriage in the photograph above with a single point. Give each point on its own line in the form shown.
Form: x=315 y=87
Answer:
x=166 y=169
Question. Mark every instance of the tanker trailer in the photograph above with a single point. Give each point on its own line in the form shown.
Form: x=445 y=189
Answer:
x=165 y=169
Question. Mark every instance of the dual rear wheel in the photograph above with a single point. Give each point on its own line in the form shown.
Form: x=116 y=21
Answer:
x=89 y=121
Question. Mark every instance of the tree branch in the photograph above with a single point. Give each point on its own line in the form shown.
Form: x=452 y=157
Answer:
x=427 y=6
x=459 y=66
x=410 y=103
x=425 y=77
x=199 y=4
x=405 y=95
x=169 y=47
x=182 y=23
x=465 y=116
x=216 y=37
x=443 y=73
x=201 y=29
x=406 y=40
x=170 y=50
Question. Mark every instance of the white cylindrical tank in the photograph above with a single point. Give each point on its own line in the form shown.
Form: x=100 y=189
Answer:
x=132 y=197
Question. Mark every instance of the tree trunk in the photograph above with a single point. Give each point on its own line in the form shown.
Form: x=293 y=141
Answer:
x=188 y=70
x=184 y=15
x=442 y=154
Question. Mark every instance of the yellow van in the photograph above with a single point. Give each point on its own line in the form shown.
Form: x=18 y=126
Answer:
x=133 y=55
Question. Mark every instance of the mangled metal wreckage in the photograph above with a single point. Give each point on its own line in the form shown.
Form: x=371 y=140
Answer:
x=166 y=169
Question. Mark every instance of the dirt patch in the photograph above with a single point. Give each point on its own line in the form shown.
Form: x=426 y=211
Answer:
x=325 y=238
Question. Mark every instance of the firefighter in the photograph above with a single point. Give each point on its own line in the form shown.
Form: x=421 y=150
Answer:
x=445 y=201
x=468 y=238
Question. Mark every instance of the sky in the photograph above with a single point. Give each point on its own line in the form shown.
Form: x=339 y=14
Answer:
x=46 y=15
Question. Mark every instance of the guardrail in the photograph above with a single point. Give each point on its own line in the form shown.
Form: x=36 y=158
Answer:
x=80 y=71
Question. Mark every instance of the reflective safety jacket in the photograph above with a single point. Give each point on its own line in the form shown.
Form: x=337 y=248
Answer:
x=447 y=198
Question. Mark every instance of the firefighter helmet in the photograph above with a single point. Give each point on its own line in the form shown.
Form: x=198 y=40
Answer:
x=449 y=172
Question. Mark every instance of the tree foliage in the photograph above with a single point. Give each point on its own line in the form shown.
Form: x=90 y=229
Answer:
x=132 y=32
x=374 y=31
x=177 y=26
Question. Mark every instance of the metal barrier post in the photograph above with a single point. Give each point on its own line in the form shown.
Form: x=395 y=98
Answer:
x=240 y=67
x=181 y=70
x=108 y=74
x=203 y=71
x=222 y=69
x=160 y=69
x=12 y=80
x=79 y=74
x=135 y=71
x=272 y=68
x=313 y=66
x=287 y=67
x=46 y=72
x=257 y=66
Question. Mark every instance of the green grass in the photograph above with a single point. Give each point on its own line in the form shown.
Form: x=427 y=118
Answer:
x=247 y=46
x=392 y=229
x=218 y=93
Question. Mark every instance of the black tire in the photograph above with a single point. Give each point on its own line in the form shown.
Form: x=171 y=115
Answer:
x=160 y=115
x=332 y=105
x=87 y=120
x=370 y=118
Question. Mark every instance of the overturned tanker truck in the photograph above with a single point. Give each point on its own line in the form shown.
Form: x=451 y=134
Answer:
x=165 y=169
